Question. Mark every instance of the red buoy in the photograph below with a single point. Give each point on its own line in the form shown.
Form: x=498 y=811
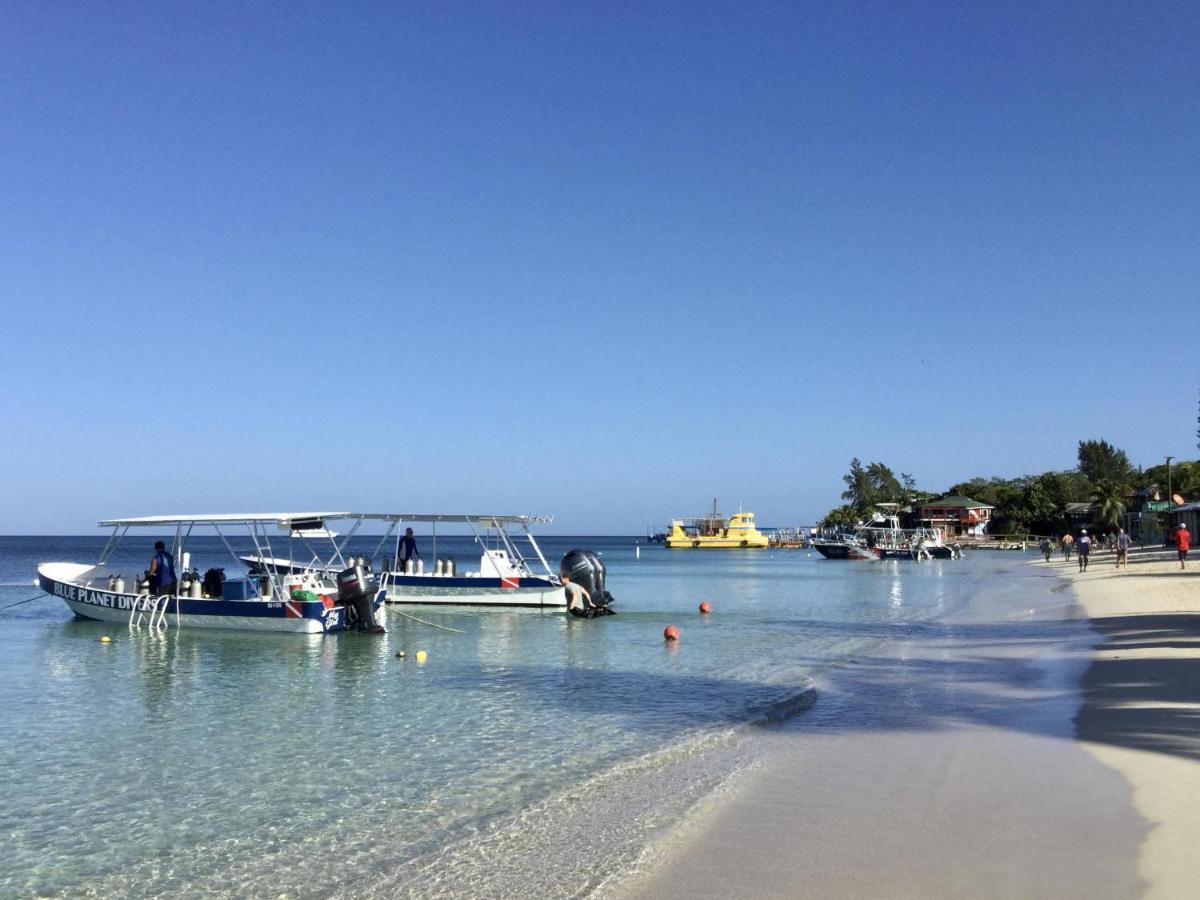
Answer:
x=705 y=609
x=671 y=633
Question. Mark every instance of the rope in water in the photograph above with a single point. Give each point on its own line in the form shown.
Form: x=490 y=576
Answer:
x=423 y=622
x=19 y=602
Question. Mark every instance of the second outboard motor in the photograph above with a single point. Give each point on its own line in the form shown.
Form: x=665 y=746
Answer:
x=585 y=569
x=356 y=591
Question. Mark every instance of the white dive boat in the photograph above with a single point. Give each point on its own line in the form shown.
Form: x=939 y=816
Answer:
x=505 y=577
x=304 y=599
x=883 y=538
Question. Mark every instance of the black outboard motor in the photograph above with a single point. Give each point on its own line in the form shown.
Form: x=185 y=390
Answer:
x=356 y=591
x=585 y=569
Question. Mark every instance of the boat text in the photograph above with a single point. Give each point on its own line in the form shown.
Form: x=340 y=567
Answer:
x=94 y=598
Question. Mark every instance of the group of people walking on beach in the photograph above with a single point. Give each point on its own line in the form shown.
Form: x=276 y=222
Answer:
x=1118 y=540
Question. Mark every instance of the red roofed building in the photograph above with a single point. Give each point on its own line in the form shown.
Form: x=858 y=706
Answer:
x=956 y=516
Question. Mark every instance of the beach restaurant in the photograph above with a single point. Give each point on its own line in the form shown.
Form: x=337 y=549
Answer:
x=957 y=516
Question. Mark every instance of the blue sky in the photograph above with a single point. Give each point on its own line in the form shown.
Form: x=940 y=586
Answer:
x=602 y=261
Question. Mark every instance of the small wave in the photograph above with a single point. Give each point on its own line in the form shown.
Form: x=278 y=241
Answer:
x=592 y=834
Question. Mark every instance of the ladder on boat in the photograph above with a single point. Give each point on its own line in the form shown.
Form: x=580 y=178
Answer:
x=155 y=607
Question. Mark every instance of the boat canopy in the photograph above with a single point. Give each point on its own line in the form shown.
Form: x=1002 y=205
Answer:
x=284 y=519
x=304 y=519
x=467 y=518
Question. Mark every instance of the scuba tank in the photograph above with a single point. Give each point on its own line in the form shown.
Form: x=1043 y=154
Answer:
x=112 y=580
x=119 y=585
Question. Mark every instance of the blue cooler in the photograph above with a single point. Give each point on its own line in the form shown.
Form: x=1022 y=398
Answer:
x=236 y=589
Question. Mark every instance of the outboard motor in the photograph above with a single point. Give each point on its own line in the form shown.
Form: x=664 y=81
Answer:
x=356 y=591
x=585 y=569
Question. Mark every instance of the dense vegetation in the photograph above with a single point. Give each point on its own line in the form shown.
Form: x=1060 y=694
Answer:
x=1103 y=477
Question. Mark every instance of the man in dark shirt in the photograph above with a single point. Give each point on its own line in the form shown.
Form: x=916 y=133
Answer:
x=407 y=551
x=1085 y=549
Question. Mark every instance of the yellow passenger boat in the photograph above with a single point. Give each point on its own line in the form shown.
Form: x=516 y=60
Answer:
x=714 y=532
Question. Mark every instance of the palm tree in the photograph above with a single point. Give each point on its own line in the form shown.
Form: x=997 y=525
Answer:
x=1109 y=496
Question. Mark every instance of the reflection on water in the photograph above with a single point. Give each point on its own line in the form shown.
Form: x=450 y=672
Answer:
x=183 y=762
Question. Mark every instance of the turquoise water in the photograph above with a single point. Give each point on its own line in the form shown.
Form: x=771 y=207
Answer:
x=209 y=763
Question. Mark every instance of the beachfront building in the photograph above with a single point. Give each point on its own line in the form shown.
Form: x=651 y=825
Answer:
x=1144 y=515
x=957 y=516
x=1081 y=515
x=1188 y=514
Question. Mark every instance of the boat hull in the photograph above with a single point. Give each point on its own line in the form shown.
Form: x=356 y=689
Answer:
x=840 y=550
x=68 y=582
x=715 y=543
x=442 y=590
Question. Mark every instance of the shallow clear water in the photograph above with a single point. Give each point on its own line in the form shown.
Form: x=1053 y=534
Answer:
x=229 y=763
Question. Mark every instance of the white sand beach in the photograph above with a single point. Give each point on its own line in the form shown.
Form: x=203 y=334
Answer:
x=1042 y=745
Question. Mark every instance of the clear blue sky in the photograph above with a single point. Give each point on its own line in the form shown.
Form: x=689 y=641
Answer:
x=602 y=261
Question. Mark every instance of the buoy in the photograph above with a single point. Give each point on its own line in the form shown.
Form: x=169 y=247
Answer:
x=399 y=654
x=671 y=633
x=705 y=609
x=106 y=639
x=422 y=656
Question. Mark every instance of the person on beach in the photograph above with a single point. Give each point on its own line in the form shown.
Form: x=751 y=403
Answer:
x=162 y=571
x=1123 y=543
x=407 y=551
x=1085 y=549
x=1183 y=540
x=1067 y=541
x=1046 y=548
x=577 y=598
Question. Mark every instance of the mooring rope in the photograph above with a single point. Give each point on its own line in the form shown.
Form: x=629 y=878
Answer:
x=19 y=602
x=423 y=622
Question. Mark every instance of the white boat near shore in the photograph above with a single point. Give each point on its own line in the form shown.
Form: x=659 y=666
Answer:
x=506 y=576
x=304 y=600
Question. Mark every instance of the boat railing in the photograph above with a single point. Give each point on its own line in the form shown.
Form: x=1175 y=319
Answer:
x=155 y=606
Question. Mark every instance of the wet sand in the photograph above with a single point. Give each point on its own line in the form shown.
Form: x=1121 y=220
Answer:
x=1034 y=744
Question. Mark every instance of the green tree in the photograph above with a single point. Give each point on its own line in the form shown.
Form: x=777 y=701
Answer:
x=886 y=488
x=860 y=490
x=1109 y=497
x=840 y=517
x=1101 y=461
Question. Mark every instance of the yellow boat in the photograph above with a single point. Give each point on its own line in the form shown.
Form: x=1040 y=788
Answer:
x=716 y=533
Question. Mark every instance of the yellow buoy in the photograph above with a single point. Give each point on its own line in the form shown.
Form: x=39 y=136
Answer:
x=422 y=656
x=106 y=639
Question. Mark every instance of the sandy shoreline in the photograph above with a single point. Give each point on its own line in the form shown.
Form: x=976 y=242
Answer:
x=1043 y=746
x=1141 y=711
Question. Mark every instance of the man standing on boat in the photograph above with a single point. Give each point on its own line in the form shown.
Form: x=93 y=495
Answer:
x=162 y=571
x=407 y=551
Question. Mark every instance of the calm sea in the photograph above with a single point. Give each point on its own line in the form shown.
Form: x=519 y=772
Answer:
x=534 y=754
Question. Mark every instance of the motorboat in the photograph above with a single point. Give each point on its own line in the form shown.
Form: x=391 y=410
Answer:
x=308 y=600
x=883 y=538
x=715 y=532
x=512 y=568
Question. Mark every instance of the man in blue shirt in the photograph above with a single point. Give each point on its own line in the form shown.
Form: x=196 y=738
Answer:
x=407 y=551
x=162 y=571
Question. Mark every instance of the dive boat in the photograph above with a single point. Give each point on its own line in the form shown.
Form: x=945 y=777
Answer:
x=883 y=538
x=714 y=532
x=506 y=576
x=305 y=600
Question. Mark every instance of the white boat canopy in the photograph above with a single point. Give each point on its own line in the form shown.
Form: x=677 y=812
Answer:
x=476 y=518
x=294 y=523
x=284 y=520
